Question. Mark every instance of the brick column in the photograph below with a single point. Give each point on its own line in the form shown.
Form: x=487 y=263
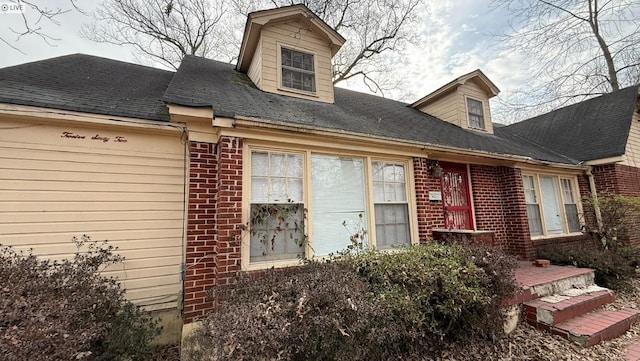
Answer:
x=515 y=213
x=430 y=213
x=229 y=209
x=200 y=268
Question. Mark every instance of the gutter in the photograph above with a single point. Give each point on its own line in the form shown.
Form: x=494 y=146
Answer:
x=594 y=197
x=258 y=122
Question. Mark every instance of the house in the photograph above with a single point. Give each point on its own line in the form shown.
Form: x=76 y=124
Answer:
x=216 y=169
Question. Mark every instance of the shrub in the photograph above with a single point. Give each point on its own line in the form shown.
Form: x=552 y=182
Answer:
x=614 y=268
x=437 y=291
x=609 y=251
x=66 y=310
x=362 y=306
x=319 y=311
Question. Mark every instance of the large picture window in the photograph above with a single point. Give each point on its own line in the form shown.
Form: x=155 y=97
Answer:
x=346 y=196
x=297 y=70
x=551 y=205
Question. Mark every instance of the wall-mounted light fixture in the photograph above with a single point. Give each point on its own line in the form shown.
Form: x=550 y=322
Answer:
x=435 y=170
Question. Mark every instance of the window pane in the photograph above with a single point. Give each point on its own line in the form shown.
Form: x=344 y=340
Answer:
x=535 y=223
x=276 y=232
x=337 y=190
x=476 y=114
x=259 y=163
x=570 y=206
x=550 y=205
x=392 y=225
x=573 y=221
x=259 y=189
x=297 y=70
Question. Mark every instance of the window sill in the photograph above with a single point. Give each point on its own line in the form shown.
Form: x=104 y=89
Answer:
x=298 y=91
x=559 y=235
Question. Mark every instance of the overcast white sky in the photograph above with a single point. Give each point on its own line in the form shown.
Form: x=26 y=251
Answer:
x=456 y=41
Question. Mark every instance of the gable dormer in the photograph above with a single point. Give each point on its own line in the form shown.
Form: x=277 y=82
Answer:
x=288 y=51
x=463 y=102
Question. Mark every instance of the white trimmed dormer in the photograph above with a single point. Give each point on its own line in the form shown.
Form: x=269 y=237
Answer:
x=463 y=102
x=288 y=51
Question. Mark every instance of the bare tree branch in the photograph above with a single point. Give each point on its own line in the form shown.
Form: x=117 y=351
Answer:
x=574 y=48
x=32 y=18
x=162 y=30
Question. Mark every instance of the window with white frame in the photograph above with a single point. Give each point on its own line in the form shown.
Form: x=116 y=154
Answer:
x=552 y=208
x=297 y=70
x=475 y=113
x=277 y=206
x=335 y=186
x=390 y=204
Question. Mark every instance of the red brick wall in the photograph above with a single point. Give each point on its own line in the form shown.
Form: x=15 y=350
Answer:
x=430 y=213
x=487 y=199
x=623 y=180
x=213 y=219
x=515 y=213
x=200 y=269
x=229 y=209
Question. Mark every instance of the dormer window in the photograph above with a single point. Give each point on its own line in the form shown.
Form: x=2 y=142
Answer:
x=476 y=115
x=297 y=70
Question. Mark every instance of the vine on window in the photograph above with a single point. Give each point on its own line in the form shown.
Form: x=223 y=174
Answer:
x=273 y=222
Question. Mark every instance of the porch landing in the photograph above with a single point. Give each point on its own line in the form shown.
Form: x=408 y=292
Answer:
x=566 y=302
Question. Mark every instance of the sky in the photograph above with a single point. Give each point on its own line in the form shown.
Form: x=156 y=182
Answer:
x=456 y=40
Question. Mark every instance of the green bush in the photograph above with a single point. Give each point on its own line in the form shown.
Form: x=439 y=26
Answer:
x=362 y=306
x=608 y=251
x=63 y=310
x=614 y=268
x=437 y=291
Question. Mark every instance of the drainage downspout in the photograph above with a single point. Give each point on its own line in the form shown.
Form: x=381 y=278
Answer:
x=594 y=197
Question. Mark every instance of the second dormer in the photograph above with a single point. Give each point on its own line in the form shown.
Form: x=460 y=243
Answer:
x=463 y=102
x=288 y=51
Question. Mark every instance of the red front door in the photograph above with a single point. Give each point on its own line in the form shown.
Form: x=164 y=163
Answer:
x=455 y=196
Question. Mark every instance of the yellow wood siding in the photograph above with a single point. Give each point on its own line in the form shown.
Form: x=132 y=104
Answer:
x=126 y=190
x=632 y=151
x=452 y=107
x=445 y=108
x=255 y=69
x=296 y=36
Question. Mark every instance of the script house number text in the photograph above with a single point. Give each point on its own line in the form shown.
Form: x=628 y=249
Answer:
x=97 y=137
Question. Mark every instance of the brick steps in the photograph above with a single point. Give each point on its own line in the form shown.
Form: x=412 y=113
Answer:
x=593 y=328
x=560 y=303
x=553 y=310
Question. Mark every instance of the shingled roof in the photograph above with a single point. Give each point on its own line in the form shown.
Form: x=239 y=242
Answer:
x=204 y=82
x=88 y=84
x=596 y=128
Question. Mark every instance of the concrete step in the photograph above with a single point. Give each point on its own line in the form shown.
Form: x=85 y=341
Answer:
x=554 y=309
x=593 y=328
